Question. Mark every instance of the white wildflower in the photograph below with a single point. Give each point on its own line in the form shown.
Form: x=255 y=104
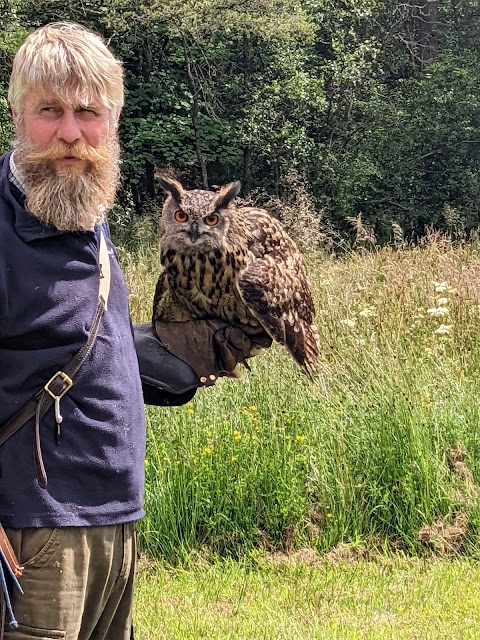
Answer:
x=441 y=302
x=348 y=323
x=368 y=312
x=438 y=312
x=443 y=330
x=440 y=287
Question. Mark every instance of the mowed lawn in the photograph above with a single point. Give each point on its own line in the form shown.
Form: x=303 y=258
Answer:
x=295 y=599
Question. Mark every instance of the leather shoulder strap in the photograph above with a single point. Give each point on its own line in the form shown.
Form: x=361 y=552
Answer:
x=104 y=263
x=62 y=381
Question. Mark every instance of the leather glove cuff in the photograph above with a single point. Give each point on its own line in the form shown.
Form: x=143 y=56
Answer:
x=166 y=379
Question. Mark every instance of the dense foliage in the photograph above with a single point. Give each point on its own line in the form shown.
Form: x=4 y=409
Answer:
x=374 y=104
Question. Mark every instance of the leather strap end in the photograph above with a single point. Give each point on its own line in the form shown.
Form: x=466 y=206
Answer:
x=9 y=554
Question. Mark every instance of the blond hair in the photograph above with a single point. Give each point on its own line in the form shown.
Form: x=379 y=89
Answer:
x=69 y=61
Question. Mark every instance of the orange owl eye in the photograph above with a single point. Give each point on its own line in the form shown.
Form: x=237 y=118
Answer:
x=180 y=216
x=211 y=219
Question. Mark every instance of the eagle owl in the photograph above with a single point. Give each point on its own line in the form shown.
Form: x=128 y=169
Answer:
x=236 y=264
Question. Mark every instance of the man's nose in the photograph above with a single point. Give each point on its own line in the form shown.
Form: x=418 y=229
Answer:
x=69 y=129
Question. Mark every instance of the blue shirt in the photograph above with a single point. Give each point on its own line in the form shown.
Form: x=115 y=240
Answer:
x=48 y=296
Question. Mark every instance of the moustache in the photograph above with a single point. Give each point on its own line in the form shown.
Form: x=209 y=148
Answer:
x=98 y=155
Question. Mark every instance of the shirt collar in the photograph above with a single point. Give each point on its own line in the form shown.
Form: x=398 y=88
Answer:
x=15 y=175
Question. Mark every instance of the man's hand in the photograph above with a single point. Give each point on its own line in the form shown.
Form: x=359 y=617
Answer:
x=212 y=348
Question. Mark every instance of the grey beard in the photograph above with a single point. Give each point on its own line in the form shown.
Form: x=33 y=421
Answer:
x=66 y=199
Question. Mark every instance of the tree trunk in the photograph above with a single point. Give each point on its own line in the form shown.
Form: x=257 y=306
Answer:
x=247 y=73
x=247 y=170
x=150 y=180
x=276 y=173
x=428 y=32
x=422 y=31
x=194 y=114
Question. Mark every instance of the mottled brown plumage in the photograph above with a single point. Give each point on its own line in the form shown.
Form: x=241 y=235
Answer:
x=235 y=264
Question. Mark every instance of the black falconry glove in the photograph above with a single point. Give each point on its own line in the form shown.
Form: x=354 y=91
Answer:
x=175 y=358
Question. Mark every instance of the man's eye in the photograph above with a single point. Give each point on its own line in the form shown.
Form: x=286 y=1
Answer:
x=86 y=111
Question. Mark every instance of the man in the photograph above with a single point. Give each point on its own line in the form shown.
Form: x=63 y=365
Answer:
x=71 y=472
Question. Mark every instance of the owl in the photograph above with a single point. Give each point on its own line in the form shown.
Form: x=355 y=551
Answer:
x=236 y=264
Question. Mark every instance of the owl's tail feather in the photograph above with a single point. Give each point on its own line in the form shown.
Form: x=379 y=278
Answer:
x=303 y=346
x=309 y=364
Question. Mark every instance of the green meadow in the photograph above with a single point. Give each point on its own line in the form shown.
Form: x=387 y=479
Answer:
x=380 y=450
x=343 y=507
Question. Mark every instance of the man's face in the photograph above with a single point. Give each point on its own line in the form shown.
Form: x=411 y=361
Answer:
x=47 y=121
x=68 y=155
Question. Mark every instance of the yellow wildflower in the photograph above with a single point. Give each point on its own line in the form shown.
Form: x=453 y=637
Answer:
x=329 y=515
x=234 y=458
x=300 y=438
x=253 y=408
x=207 y=451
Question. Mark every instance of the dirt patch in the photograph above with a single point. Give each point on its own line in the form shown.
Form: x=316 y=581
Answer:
x=446 y=538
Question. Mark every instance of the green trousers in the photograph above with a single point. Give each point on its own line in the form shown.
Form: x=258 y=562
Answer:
x=77 y=583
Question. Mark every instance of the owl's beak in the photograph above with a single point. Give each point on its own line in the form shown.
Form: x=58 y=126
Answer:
x=194 y=231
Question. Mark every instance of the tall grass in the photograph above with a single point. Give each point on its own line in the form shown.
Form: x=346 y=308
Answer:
x=383 y=448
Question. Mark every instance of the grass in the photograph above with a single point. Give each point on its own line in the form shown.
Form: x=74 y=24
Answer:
x=293 y=484
x=389 y=599
x=381 y=450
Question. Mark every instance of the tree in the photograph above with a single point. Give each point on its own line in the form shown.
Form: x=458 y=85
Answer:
x=11 y=34
x=372 y=103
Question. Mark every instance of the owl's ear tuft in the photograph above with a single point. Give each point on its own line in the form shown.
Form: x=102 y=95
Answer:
x=226 y=194
x=171 y=186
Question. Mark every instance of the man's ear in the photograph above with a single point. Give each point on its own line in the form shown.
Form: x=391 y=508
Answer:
x=15 y=116
x=115 y=117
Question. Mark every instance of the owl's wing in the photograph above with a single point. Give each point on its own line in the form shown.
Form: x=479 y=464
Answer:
x=275 y=288
x=165 y=305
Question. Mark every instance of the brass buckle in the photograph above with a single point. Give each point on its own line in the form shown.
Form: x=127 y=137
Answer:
x=65 y=379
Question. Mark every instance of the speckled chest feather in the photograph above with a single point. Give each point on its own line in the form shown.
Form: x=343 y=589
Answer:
x=205 y=283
